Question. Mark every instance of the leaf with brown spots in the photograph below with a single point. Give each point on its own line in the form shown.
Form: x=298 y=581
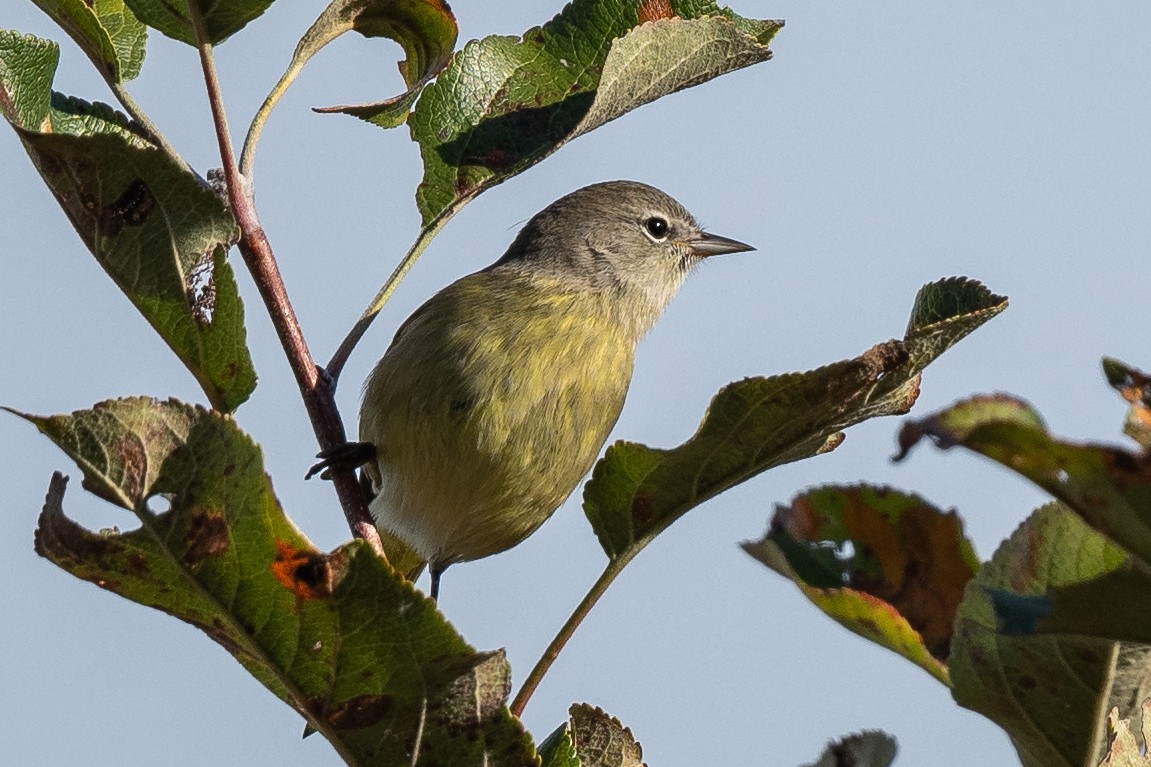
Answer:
x=1050 y=691
x=304 y=572
x=207 y=535
x=504 y=103
x=759 y=423
x=157 y=230
x=348 y=643
x=1109 y=487
x=888 y=566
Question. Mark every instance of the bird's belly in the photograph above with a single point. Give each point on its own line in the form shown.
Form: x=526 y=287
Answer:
x=487 y=491
x=457 y=520
x=478 y=475
x=483 y=428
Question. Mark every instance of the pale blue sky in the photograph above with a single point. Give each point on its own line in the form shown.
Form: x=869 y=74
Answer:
x=887 y=145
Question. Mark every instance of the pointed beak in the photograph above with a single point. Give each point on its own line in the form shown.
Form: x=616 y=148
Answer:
x=714 y=245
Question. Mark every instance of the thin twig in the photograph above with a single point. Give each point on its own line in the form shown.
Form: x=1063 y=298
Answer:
x=248 y=154
x=609 y=574
x=261 y=262
x=427 y=234
x=141 y=118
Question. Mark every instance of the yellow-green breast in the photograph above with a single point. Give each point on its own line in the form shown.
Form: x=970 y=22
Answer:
x=490 y=406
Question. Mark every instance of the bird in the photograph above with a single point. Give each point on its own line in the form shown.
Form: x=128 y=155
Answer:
x=495 y=396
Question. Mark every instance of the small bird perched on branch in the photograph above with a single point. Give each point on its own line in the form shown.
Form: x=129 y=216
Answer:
x=495 y=396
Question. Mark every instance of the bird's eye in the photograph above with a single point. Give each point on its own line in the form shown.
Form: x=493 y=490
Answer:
x=657 y=227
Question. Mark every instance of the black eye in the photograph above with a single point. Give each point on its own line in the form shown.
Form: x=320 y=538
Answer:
x=656 y=227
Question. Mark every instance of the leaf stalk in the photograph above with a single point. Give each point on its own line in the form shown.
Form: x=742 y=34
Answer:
x=543 y=665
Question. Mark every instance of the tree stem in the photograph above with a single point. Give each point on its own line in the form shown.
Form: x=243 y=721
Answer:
x=427 y=234
x=261 y=262
x=609 y=574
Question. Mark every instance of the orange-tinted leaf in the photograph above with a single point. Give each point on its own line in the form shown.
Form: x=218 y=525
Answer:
x=304 y=572
x=652 y=10
x=366 y=659
x=1110 y=488
x=1134 y=386
x=886 y=565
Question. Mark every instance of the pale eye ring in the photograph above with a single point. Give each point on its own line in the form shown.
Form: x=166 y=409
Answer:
x=657 y=227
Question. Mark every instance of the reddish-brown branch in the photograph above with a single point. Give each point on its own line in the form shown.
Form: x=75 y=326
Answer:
x=257 y=253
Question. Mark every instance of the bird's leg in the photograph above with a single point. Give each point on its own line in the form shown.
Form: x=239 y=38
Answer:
x=350 y=455
x=436 y=570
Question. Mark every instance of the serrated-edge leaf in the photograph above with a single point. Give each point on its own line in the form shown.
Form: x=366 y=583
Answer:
x=341 y=638
x=27 y=68
x=601 y=740
x=947 y=310
x=73 y=116
x=504 y=104
x=751 y=426
x=106 y=30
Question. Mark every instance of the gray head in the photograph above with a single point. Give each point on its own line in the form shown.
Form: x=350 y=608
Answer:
x=620 y=236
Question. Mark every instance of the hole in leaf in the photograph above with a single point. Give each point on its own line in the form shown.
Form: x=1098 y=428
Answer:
x=99 y=516
x=202 y=289
x=158 y=504
x=845 y=551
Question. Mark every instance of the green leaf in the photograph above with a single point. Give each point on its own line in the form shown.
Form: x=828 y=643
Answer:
x=1108 y=487
x=425 y=28
x=348 y=643
x=27 y=66
x=505 y=103
x=155 y=228
x=106 y=30
x=71 y=116
x=756 y=424
x=946 y=311
x=557 y=750
x=221 y=19
x=591 y=738
x=870 y=748
x=1049 y=692
x=600 y=739
x=900 y=582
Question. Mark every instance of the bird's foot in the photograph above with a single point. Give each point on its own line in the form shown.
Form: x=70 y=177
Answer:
x=350 y=455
